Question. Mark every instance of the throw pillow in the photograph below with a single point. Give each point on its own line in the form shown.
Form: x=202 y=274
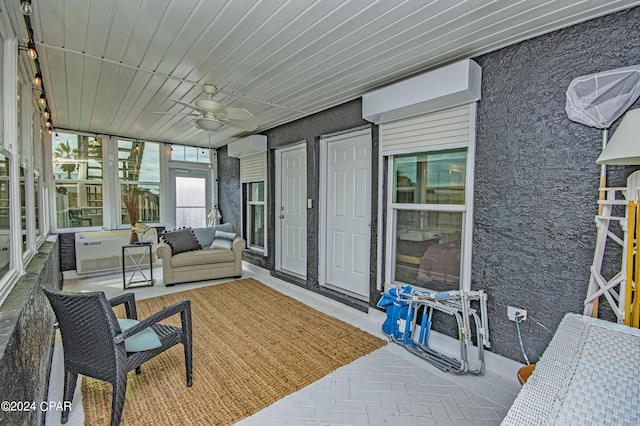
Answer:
x=223 y=240
x=144 y=340
x=205 y=235
x=181 y=240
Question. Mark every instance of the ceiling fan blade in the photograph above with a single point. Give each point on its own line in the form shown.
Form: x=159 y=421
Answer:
x=241 y=124
x=176 y=113
x=186 y=104
x=237 y=114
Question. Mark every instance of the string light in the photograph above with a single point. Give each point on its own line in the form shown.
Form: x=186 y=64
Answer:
x=57 y=136
x=46 y=113
x=48 y=123
x=31 y=50
x=49 y=130
x=25 y=7
x=43 y=100
x=37 y=80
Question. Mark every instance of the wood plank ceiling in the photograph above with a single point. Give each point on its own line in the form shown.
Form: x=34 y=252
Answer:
x=107 y=65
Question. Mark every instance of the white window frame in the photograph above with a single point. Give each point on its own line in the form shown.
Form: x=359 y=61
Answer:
x=262 y=203
x=120 y=182
x=466 y=209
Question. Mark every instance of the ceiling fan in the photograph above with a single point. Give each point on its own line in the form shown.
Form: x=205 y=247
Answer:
x=212 y=116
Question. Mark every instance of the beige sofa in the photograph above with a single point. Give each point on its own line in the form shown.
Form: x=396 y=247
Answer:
x=198 y=265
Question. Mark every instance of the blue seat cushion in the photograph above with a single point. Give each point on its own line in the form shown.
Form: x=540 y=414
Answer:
x=145 y=340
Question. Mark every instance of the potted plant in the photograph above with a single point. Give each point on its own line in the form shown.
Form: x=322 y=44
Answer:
x=131 y=201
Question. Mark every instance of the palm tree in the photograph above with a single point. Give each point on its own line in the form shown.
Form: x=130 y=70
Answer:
x=63 y=150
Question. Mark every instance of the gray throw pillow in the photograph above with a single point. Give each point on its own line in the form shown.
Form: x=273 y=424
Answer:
x=223 y=240
x=205 y=235
x=181 y=240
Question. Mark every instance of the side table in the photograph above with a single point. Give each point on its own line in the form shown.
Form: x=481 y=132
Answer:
x=139 y=254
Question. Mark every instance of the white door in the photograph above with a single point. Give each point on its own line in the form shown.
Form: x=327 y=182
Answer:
x=293 y=211
x=192 y=197
x=348 y=213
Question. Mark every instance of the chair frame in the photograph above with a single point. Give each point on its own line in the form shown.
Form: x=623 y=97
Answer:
x=95 y=347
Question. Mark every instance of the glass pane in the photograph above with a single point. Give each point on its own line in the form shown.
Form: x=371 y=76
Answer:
x=5 y=248
x=78 y=205
x=256 y=191
x=430 y=178
x=23 y=209
x=428 y=248
x=140 y=203
x=177 y=152
x=256 y=218
x=77 y=157
x=191 y=153
x=138 y=161
x=191 y=207
x=36 y=206
x=204 y=156
x=23 y=203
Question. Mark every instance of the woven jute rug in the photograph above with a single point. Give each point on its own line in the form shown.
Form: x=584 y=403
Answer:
x=251 y=346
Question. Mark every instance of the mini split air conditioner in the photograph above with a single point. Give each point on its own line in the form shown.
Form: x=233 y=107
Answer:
x=446 y=87
x=101 y=251
x=245 y=147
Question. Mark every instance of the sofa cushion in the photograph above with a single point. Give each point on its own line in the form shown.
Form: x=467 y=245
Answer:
x=202 y=257
x=223 y=240
x=205 y=235
x=181 y=240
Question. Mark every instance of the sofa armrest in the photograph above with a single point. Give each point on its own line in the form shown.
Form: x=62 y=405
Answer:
x=239 y=244
x=163 y=251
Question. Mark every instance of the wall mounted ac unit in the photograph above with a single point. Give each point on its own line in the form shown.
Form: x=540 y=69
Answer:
x=251 y=145
x=101 y=251
x=442 y=88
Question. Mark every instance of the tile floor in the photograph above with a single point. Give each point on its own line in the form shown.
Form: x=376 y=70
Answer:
x=387 y=387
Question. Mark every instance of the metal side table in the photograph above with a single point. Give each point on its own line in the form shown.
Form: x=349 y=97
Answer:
x=140 y=258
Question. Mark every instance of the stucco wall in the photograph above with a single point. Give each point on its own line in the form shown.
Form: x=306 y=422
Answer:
x=26 y=337
x=536 y=177
x=229 y=187
x=308 y=130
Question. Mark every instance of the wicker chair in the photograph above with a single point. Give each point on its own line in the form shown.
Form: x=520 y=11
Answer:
x=94 y=343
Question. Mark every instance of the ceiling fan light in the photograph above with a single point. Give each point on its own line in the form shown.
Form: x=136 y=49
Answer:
x=208 y=124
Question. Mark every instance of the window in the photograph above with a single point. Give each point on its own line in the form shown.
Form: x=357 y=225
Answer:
x=36 y=202
x=428 y=206
x=23 y=208
x=190 y=153
x=191 y=201
x=78 y=177
x=139 y=175
x=256 y=215
x=5 y=246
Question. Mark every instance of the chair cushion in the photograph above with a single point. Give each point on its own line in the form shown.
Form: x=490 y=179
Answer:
x=223 y=240
x=205 y=235
x=181 y=240
x=145 y=340
x=202 y=257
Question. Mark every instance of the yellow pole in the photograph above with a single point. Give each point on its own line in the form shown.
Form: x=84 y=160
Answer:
x=629 y=271
x=635 y=316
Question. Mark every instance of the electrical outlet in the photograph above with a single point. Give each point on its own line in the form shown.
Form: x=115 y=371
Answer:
x=511 y=313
